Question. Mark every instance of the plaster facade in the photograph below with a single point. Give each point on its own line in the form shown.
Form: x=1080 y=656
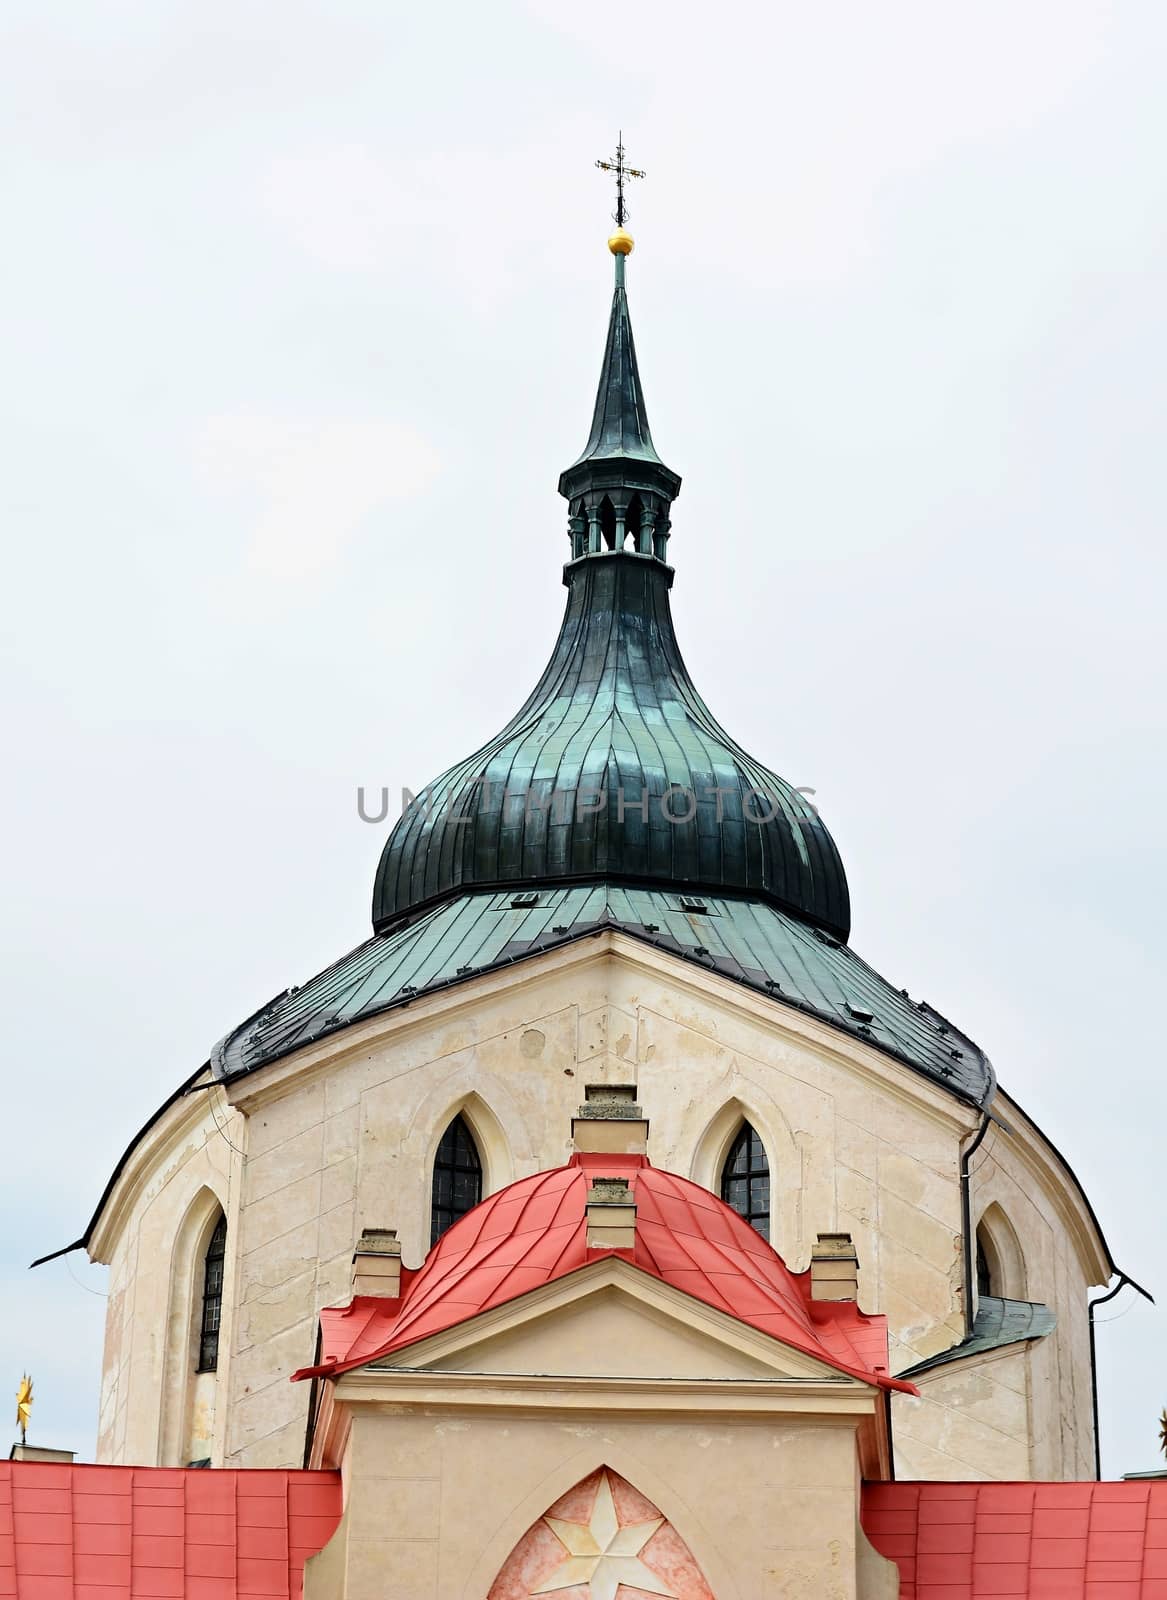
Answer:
x=1016 y=1174
x=341 y=1136
x=972 y=1420
x=152 y=1232
x=748 y=1450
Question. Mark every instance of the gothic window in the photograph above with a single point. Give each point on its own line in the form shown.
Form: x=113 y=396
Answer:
x=984 y=1271
x=457 y=1186
x=745 y=1179
x=212 y=1298
x=1000 y=1264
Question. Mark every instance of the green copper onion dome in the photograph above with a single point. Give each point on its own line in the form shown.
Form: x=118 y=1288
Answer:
x=615 y=769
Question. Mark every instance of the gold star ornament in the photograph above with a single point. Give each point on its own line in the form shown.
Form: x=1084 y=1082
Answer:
x=603 y=1554
x=24 y=1405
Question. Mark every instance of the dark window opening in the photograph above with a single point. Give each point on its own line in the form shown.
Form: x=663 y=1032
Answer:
x=633 y=520
x=457 y=1186
x=745 y=1180
x=984 y=1271
x=212 y=1298
x=608 y=523
x=578 y=526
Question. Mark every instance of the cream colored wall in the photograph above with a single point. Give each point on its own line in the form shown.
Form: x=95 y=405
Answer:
x=342 y=1136
x=971 y=1422
x=768 y=1510
x=749 y=1449
x=606 y=1367
x=1005 y=1172
x=150 y=1234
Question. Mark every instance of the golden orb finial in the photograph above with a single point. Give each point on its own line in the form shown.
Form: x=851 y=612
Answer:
x=621 y=243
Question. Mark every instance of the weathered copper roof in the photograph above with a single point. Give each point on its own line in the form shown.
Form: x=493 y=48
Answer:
x=997 y=1323
x=614 y=768
x=620 y=432
x=747 y=941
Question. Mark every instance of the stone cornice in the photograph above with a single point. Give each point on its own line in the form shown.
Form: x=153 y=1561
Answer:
x=801 y=1387
x=371 y=1391
x=376 y=1387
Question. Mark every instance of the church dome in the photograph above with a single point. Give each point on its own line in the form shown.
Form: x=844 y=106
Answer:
x=615 y=769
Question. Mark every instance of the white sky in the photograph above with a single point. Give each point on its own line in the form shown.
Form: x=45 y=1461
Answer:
x=302 y=309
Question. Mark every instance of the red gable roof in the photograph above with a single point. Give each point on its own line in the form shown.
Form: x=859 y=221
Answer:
x=1048 y=1541
x=535 y=1231
x=112 y=1533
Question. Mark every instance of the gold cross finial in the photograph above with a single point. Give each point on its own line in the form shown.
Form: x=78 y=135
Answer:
x=617 y=165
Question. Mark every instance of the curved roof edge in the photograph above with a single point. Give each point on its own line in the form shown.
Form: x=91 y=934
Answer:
x=1014 y=1109
x=998 y=1324
x=534 y=1232
x=511 y=951
x=745 y=940
x=82 y=1243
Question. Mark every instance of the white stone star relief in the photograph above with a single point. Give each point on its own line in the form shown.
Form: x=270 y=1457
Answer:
x=603 y=1555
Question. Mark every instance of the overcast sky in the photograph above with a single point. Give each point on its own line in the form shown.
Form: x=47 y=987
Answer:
x=302 y=311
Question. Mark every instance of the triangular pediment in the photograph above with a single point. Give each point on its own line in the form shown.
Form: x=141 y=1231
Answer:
x=612 y=1320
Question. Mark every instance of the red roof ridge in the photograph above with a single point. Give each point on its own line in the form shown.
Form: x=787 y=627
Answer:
x=534 y=1232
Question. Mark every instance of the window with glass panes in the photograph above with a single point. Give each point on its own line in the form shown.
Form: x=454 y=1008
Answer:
x=457 y=1186
x=745 y=1180
x=212 y=1298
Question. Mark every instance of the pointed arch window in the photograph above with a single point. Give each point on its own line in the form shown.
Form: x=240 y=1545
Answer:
x=212 y=1297
x=745 y=1179
x=1000 y=1263
x=457 y=1185
x=984 y=1271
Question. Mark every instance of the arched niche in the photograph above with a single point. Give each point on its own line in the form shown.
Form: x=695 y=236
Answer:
x=494 y=1151
x=782 y=1158
x=1000 y=1262
x=187 y=1413
x=396 y=1192
x=551 y=1482
x=605 y=1533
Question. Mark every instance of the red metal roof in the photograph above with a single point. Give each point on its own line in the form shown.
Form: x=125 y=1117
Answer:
x=1048 y=1541
x=535 y=1231
x=127 y=1533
